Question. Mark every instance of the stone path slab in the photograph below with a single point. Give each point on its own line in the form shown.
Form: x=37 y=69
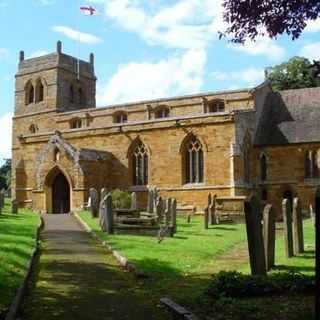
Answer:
x=78 y=279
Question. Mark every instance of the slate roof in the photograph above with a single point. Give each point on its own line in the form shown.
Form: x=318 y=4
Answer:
x=291 y=116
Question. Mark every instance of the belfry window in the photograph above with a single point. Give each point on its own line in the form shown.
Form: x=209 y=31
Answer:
x=263 y=167
x=162 y=112
x=29 y=91
x=216 y=106
x=39 y=91
x=140 y=165
x=194 y=161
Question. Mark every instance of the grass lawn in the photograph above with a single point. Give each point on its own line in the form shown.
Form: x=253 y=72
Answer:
x=17 y=240
x=180 y=267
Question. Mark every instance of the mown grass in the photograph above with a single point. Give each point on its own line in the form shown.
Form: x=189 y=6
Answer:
x=17 y=240
x=181 y=267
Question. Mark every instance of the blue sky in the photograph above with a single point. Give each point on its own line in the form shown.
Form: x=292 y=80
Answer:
x=143 y=48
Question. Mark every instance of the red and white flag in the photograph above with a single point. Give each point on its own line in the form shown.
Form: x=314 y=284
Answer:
x=89 y=10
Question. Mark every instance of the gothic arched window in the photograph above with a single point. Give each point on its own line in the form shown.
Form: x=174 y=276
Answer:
x=29 y=91
x=308 y=164
x=193 y=161
x=39 y=91
x=162 y=112
x=315 y=168
x=263 y=167
x=140 y=165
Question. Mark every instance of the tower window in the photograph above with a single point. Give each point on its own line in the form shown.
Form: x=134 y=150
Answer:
x=216 y=106
x=193 y=161
x=162 y=112
x=120 y=117
x=29 y=91
x=140 y=165
x=39 y=91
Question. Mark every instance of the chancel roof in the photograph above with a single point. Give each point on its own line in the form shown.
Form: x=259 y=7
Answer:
x=291 y=116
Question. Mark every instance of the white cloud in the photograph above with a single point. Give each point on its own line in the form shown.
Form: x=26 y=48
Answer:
x=77 y=35
x=37 y=53
x=187 y=24
x=138 y=81
x=311 y=51
x=262 y=46
x=5 y=134
x=313 y=26
x=4 y=53
x=249 y=77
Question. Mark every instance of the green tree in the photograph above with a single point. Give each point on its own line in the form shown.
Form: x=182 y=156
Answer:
x=295 y=74
x=5 y=174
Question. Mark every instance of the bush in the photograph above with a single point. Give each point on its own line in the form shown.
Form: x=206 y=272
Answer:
x=121 y=199
x=234 y=284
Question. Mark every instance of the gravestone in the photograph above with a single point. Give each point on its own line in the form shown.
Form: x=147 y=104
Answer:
x=287 y=226
x=107 y=215
x=150 y=201
x=160 y=211
x=209 y=211
x=155 y=196
x=206 y=218
x=254 y=235
x=94 y=202
x=212 y=210
x=174 y=215
x=14 y=206
x=298 y=244
x=134 y=201
x=168 y=212
x=103 y=193
x=311 y=213
x=269 y=234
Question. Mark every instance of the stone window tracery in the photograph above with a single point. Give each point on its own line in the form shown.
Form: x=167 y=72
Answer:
x=194 y=161
x=140 y=165
x=216 y=106
x=162 y=112
x=33 y=129
x=75 y=123
x=29 y=91
x=39 y=91
x=120 y=117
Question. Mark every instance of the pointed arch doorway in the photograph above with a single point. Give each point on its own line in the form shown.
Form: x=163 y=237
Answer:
x=60 y=194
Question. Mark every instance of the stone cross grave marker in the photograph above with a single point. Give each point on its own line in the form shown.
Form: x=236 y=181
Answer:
x=94 y=205
x=134 y=201
x=14 y=206
x=287 y=226
x=269 y=234
x=254 y=235
x=298 y=244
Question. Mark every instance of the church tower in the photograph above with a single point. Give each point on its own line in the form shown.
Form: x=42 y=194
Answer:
x=54 y=82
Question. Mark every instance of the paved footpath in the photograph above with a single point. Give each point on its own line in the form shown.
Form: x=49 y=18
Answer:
x=78 y=279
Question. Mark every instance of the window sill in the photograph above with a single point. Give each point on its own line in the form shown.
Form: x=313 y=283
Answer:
x=193 y=185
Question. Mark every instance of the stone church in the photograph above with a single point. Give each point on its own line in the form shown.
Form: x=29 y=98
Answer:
x=227 y=143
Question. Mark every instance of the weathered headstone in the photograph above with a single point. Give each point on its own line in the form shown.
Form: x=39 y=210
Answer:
x=94 y=205
x=287 y=226
x=209 y=212
x=269 y=234
x=174 y=215
x=160 y=211
x=298 y=243
x=168 y=212
x=254 y=235
x=103 y=193
x=150 y=201
x=206 y=218
x=134 y=201
x=14 y=206
x=212 y=210
x=106 y=219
